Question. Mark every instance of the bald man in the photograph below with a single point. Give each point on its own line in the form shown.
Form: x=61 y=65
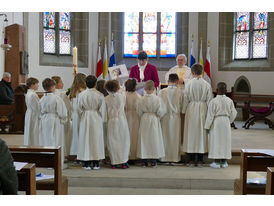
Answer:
x=6 y=91
x=181 y=69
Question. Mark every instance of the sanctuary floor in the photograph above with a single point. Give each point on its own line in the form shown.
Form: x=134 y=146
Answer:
x=165 y=179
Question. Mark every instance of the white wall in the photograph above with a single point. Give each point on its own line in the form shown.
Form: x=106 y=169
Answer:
x=261 y=82
x=66 y=73
x=13 y=18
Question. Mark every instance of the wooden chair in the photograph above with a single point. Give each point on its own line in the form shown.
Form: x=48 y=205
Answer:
x=252 y=160
x=44 y=157
x=259 y=114
x=270 y=181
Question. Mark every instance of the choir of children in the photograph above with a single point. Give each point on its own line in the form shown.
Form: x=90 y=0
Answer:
x=130 y=126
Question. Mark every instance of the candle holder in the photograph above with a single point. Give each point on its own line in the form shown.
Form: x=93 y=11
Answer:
x=6 y=46
x=74 y=70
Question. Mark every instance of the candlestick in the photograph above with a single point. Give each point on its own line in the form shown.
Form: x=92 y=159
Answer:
x=75 y=58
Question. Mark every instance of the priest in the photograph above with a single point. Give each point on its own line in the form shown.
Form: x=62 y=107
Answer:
x=181 y=69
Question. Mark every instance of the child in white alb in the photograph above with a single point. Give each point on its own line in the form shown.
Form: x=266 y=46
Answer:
x=221 y=113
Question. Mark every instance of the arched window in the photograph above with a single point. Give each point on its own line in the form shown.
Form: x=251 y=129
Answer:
x=153 y=32
x=57 y=33
x=250 y=35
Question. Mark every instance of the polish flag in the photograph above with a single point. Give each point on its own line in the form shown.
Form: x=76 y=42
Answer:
x=207 y=74
x=99 y=67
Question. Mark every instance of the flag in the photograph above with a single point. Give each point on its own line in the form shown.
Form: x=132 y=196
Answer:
x=112 y=56
x=201 y=61
x=207 y=74
x=99 y=66
x=192 y=58
x=105 y=64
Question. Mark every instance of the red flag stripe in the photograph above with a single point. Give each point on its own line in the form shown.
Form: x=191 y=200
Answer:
x=99 y=68
x=207 y=68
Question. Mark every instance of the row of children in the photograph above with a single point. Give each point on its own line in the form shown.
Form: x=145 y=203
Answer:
x=147 y=127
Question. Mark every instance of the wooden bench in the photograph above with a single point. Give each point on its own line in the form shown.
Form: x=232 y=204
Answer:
x=252 y=160
x=270 y=181
x=43 y=157
x=259 y=106
x=26 y=179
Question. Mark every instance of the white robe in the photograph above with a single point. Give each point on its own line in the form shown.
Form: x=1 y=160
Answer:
x=75 y=126
x=150 y=140
x=133 y=121
x=118 y=138
x=197 y=95
x=221 y=113
x=171 y=123
x=91 y=138
x=53 y=118
x=68 y=124
x=183 y=72
x=32 y=128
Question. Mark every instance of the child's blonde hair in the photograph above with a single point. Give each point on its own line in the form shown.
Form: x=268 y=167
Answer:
x=149 y=85
x=79 y=83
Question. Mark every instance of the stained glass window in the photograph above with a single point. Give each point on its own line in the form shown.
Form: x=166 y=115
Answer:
x=250 y=35
x=131 y=45
x=131 y=34
x=167 y=47
x=149 y=31
x=57 y=33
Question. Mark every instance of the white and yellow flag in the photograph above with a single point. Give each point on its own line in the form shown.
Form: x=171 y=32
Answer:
x=105 y=64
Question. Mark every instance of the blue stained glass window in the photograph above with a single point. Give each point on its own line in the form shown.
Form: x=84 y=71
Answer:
x=146 y=35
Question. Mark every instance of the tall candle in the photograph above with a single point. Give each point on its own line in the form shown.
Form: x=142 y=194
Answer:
x=75 y=56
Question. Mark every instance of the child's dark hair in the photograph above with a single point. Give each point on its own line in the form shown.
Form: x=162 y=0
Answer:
x=173 y=78
x=56 y=79
x=100 y=86
x=221 y=88
x=112 y=86
x=197 y=69
x=91 y=81
x=30 y=81
x=48 y=83
x=130 y=85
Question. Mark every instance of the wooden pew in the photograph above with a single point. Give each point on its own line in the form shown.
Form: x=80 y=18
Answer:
x=26 y=179
x=252 y=160
x=44 y=157
x=270 y=181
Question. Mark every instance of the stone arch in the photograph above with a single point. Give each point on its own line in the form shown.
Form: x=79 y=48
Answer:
x=242 y=85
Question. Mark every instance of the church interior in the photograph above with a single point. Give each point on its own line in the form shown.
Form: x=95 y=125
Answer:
x=241 y=55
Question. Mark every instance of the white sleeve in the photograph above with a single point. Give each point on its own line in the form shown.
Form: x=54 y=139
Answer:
x=233 y=112
x=210 y=115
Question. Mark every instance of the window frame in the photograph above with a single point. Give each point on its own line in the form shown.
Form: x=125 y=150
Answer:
x=158 y=36
x=57 y=35
x=250 y=32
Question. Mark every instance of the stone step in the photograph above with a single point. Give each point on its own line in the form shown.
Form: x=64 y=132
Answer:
x=152 y=183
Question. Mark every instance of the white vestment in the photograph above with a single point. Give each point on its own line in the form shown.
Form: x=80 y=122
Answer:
x=183 y=72
x=221 y=113
x=133 y=121
x=171 y=123
x=91 y=138
x=197 y=95
x=75 y=126
x=68 y=124
x=118 y=137
x=32 y=128
x=53 y=118
x=150 y=141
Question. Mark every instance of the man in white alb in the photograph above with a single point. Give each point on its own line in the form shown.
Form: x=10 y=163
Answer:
x=181 y=69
